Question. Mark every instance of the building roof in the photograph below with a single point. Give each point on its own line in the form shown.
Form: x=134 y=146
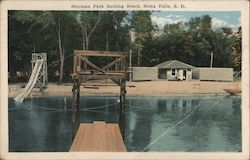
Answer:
x=174 y=64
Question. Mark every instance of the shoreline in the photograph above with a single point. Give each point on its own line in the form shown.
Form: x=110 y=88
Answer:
x=148 y=88
x=134 y=95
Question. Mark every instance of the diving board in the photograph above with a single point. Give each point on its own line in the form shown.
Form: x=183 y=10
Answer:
x=98 y=137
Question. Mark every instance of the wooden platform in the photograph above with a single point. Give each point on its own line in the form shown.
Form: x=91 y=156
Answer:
x=98 y=137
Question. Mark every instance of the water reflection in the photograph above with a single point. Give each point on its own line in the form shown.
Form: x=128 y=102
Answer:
x=214 y=124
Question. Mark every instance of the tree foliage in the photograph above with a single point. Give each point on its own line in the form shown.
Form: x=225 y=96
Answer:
x=54 y=26
x=59 y=33
x=142 y=26
x=192 y=43
x=236 y=47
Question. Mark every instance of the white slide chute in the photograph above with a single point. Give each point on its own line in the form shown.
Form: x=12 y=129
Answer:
x=32 y=81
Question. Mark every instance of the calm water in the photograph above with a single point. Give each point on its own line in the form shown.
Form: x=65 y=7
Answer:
x=205 y=123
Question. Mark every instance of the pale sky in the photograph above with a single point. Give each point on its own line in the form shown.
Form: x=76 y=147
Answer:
x=219 y=18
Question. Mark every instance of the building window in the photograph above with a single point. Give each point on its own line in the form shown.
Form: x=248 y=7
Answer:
x=173 y=72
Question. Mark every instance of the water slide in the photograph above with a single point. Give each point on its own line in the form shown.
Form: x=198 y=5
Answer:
x=32 y=81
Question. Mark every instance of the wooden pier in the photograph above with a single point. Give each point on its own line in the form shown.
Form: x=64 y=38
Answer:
x=98 y=137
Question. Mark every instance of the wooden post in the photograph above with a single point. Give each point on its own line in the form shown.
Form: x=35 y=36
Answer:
x=116 y=66
x=75 y=106
x=78 y=103
x=75 y=64
x=122 y=107
x=79 y=59
x=130 y=66
x=74 y=109
x=122 y=99
x=85 y=64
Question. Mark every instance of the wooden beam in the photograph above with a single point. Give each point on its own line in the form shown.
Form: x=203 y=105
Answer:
x=100 y=53
x=92 y=65
x=99 y=76
x=112 y=63
x=91 y=87
x=106 y=73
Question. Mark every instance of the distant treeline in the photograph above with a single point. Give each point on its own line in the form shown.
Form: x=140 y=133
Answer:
x=59 y=33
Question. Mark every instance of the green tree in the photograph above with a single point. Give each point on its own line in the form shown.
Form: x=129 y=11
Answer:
x=59 y=34
x=114 y=29
x=21 y=43
x=226 y=30
x=57 y=22
x=143 y=28
x=44 y=26
x=200 y=29
x=88 y=22
x=236 y=47
x=192 y=43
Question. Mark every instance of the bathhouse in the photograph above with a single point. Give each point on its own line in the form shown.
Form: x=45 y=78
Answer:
x=175 y=70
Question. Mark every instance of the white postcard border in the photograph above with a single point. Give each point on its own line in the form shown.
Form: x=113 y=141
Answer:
x=205 y=5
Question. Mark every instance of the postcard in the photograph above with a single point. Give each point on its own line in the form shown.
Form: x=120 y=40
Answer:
x=121 y=79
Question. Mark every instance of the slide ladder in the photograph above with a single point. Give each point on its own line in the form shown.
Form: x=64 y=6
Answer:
x=32 y=81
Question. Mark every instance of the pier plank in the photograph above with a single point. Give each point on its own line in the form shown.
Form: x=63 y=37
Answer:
x=110 y=145
x=98 y=137
x=86 y=139
x=118 y=137
x=78 y=137
x=98 y=140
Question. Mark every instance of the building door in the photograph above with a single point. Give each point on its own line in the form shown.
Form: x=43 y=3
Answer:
x=180 y=74
x=184 y=74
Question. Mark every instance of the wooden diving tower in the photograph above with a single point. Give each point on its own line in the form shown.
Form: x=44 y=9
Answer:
x=42 y=80
x=98 y=136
